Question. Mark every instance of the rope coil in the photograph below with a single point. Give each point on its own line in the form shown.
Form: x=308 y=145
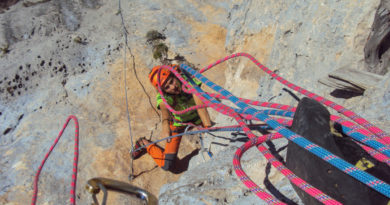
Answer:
x=377 y=139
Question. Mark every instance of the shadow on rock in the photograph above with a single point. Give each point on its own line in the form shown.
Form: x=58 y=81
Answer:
x=267 y=183
x=5 y=4
x=181 y=165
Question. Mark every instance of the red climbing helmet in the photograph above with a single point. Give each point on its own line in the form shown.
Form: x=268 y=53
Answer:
x=165 y=73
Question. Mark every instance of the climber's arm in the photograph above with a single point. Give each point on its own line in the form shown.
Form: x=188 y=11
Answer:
x=165 y=117
x=202 y=112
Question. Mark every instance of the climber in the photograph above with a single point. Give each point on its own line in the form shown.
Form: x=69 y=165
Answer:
x=171 y=123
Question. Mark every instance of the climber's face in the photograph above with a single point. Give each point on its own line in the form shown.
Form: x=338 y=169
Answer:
x=172 y=85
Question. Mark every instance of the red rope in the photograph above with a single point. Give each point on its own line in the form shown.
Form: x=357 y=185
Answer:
x=377 y=133
x=353 y=116
x=75 y=161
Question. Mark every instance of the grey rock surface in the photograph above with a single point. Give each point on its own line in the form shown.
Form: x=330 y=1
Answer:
x=63 y=57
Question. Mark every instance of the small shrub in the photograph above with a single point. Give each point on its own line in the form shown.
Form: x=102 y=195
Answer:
x=153 y=35
x=160 y=50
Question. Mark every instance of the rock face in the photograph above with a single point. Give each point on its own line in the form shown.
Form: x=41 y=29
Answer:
x=63 y=57
x=377 y=48
x=215 y=182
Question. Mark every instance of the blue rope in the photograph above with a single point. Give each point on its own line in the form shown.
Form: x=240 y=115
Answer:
x=332 y=159
x=384 y=149
x=364 y=139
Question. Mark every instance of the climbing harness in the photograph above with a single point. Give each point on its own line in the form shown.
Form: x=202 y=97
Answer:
x=75 y=162
x=371 y=136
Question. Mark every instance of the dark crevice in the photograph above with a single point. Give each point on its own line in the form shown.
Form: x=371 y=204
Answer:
x=7 y=131
x=376 y=50
x=5 y=4
x=384 y=45
x=346 y=94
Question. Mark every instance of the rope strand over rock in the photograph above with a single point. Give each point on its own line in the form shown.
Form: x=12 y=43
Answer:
x=75 y=162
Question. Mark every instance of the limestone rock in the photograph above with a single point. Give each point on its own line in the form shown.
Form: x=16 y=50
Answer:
x=46 y=76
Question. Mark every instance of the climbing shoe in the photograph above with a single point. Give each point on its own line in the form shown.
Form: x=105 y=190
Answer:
x=138 y=153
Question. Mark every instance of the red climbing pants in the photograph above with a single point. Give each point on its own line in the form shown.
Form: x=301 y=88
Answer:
x=165 y=158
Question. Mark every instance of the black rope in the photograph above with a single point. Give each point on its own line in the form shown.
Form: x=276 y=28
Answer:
x=127 y=103
x=133 y=61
